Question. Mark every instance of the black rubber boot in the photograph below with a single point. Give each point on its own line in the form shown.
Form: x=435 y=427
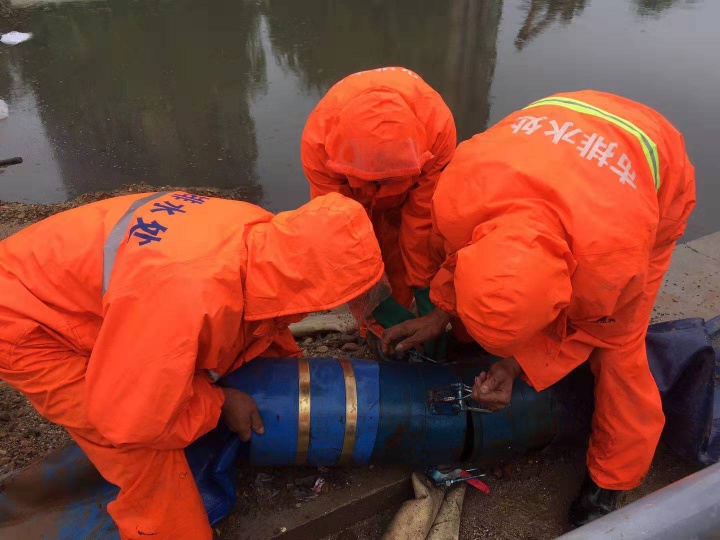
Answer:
x=592 y=503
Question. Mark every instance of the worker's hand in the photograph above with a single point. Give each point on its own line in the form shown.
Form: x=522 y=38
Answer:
x=414 y=332
x=241 y=414
x=493 y=389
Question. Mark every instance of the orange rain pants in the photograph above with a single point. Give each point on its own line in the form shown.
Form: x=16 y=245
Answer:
x=116 y=318
x=560 y=222
x=382 y=137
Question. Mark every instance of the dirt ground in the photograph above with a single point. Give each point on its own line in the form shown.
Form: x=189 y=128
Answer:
x=14 y=216
x=528 y=501
x=529 y=498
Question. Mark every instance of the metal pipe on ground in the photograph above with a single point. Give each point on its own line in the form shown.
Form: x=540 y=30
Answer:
x=688 y=508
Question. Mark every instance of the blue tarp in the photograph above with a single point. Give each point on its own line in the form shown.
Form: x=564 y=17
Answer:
x=686 y=368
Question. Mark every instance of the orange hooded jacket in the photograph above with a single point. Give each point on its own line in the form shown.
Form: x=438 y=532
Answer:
x=549 y=239
x=382 y=137
x=116 y=317
x=560 y=222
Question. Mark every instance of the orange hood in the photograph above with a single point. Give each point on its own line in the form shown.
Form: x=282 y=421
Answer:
x=512 y=281
x=314 y=258
x=377 y=137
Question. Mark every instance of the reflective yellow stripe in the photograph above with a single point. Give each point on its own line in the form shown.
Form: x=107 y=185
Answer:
x=646 y=143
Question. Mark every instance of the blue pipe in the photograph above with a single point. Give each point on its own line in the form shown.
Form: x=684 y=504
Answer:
x=317 y=412
x=395 y=423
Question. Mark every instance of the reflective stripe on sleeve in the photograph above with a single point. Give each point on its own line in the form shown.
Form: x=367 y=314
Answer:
x=112 y=243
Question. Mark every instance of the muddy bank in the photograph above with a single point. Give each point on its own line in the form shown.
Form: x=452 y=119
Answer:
x=529 y=498
x=24 y=435
x=7 y=14
x=15 y=216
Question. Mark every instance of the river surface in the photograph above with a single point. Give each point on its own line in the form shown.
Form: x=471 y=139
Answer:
x=191 y=92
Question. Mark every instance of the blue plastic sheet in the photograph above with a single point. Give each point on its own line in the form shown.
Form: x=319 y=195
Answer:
x=686 y=368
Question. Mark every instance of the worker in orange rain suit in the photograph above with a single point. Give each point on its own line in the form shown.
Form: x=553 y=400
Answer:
x=382 y=137
x=560 y=221
x=116 y=318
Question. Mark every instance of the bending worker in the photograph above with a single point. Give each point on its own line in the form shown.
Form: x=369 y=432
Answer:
x=117 y=317
x=382 y=137
x=560 y=221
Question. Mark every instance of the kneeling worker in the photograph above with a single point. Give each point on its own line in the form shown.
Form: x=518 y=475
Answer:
x=116 y=318
x=560 y=222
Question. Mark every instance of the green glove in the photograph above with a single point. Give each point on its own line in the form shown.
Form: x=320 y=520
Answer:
x=389 y=313
x=422 y=301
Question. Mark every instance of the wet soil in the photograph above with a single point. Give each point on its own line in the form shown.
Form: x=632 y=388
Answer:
x=530 y=497
x=24 y=435
x=528 y=501
x=14 y=216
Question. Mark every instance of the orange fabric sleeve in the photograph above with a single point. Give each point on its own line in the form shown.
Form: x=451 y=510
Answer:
x=547 y=358
x=511 y=282
x=417 y=246
x=610 y=306
x=283 y=345
x=144 y=386
x=322 y=183
x=442 y=286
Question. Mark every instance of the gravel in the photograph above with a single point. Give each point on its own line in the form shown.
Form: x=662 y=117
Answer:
x=24 y=435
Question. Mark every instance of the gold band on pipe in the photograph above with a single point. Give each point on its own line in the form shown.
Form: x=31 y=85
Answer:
x=351 y=406
x=303 y=441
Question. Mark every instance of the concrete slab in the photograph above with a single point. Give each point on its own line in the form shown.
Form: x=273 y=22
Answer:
x=707 y=245
x=692 y=284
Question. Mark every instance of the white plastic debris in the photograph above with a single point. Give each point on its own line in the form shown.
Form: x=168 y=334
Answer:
x=13 y=38
x=4 y=112
x=323 y=323
x=319 y=483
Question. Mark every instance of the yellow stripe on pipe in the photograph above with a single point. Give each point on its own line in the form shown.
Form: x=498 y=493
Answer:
x=351 y=412
x=303 y=441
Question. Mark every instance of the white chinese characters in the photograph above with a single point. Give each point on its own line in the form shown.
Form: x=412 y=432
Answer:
x=590 y=146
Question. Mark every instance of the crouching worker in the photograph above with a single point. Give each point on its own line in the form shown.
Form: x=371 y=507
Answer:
x=561 y=221
x=382 y=137
x=117 y=317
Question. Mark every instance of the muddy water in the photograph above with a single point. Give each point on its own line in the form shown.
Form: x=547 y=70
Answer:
x=176 y=92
